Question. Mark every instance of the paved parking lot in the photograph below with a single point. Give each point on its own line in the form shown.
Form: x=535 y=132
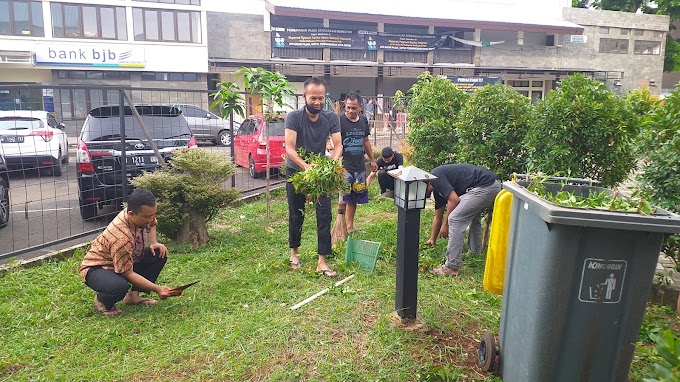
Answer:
x=45 y=209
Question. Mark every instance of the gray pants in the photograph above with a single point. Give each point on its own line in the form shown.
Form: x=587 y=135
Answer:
x=468 y=213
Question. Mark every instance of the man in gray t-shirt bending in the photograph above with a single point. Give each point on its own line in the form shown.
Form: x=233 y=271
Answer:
x=308 y=128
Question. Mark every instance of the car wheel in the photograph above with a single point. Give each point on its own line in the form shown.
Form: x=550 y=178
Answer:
x=57 y=170
x=251 y=168
x=4 y=203
x=224 y=138
x=88 y=210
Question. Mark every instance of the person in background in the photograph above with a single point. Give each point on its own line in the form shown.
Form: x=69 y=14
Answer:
x=389 y=160
x=355 y=144
x=308 y=128
x=119 y=257
x=461 y=192
x=369 y=109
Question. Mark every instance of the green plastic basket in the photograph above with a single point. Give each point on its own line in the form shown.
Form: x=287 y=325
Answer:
x=363 y=252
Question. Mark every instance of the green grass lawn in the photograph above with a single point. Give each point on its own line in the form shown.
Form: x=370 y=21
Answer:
x=236 y=325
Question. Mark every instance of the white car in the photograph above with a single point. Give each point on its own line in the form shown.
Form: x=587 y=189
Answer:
x=33 y=139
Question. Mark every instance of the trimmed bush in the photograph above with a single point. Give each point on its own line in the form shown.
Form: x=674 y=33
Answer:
x=189 y=193
x=583 y=130
x=660 y=176
x=433 y=108
x=492 y=128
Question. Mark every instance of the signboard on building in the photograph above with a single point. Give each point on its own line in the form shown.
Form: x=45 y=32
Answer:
x=89 y=55
x=347 y=39
x=579 y=39
x=470 y=84
x=317 y=38
x=402 y=41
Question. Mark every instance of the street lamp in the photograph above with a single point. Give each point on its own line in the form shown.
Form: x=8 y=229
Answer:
x=410 y=184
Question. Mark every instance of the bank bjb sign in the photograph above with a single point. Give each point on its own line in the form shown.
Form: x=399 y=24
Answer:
x=470 y=84
x=89 y=55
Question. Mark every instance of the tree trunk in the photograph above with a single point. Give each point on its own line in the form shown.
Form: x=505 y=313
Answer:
x=194 y=230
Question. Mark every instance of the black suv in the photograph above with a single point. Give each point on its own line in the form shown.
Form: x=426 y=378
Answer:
x=4 y=193
x=99 y=156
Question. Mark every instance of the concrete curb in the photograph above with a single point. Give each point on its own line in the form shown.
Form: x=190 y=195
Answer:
x=669 y=295
x=39 y=260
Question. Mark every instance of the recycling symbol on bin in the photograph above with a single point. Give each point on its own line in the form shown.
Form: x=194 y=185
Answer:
x=602 y=281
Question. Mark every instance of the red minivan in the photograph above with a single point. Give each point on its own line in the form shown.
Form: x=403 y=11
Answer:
x=250 y=145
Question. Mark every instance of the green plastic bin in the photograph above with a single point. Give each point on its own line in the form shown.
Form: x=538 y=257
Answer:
x=363 y=252
x=576 y=287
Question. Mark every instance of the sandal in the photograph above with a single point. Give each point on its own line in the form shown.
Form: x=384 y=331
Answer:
x=295 y=264
x=144 y=301
x=445 y=271
x=328 y=272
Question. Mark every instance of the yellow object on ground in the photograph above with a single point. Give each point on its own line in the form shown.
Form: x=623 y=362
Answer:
x=494 y=270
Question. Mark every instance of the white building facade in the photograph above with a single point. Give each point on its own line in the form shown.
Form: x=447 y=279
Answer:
x=139 y=43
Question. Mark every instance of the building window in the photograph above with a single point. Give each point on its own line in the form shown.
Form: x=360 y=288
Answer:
x=658 y=34
x=647 y=47
x=181 y=77
x=613 y=45
x=625 y=31
x=88 y=21
x=21 y=18
x=604 y=30
x=185 y=2
x=166 y=25
x=92 y=75
x=639 y=32
x=76 y=103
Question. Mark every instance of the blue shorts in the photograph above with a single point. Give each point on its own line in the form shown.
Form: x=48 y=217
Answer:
x=358 y=191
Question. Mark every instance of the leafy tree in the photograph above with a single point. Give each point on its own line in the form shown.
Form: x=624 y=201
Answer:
x=580 y=3
x=433 y=108
x=189 y=193
x=492 y=127
x=582 y=130
x=273 y=89
x=660 y=175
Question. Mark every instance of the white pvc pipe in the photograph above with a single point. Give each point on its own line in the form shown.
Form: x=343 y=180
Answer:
x=320 y=293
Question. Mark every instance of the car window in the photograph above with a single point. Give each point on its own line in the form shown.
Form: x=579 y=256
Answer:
x=247 y=127
x=159 y=127
x=190 y=111
x=51 y=121
x=18 y=123
x=277 y=129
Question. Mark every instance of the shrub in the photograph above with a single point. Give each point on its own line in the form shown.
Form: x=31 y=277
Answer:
x=660 y=176
x=189 y=193
x=582 y=130
x=492 y=128
x=433 y=105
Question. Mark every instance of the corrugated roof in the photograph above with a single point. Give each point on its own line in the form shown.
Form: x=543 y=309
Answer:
x=532 y=14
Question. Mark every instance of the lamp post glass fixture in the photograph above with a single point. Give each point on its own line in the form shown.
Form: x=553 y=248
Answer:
x=410 y=184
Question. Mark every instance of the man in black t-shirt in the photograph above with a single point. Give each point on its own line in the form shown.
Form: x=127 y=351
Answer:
x=461 y=192
x=389 y=160
x=355 y=143
x=308 y=128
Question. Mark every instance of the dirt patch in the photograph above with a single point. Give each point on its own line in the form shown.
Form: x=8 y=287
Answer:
x=225 y=227
x=10 y=369
x=382 y=216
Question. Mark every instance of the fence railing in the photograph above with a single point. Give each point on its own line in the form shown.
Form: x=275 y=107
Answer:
x=56 y=196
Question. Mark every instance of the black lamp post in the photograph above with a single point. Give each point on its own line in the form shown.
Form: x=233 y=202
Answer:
x=410 y=184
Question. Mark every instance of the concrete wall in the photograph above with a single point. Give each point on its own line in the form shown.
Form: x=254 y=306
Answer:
x=237 y=36
x=637 y=70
